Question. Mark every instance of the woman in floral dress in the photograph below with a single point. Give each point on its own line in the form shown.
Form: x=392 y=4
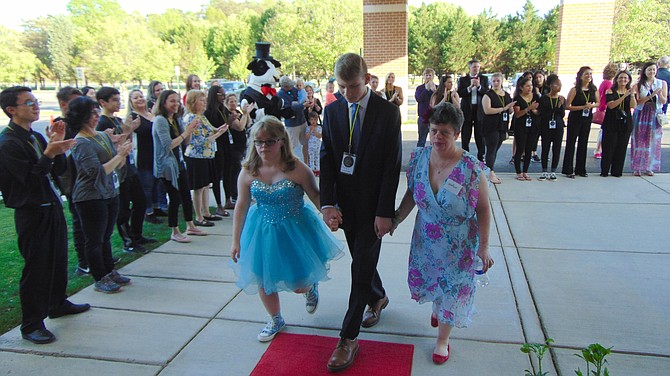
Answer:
x=450 y=189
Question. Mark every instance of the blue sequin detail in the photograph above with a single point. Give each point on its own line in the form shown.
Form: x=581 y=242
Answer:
x=277 y=202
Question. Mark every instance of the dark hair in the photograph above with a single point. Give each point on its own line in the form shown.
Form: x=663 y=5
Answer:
x=189 y=81
x=551 y=78
x=313 y=114
x=578 y=81
x=213 y=101
x=447 y=113
x=527 y=73
x=150 y=90
x=520 y=83
x=615 y=85
x=439 y=92
x=9 y=96
x=66 y=92
x=535 y=75
x=106 y=93
x=472 y=62
x=643 y=76
x=159 y=107
x=86 y=89
x=610 y=70
x=79 y=112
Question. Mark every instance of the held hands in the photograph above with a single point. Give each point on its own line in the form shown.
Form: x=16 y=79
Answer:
x=474 y=83
x=533 y=106
x=510 y=105
x=332 y=217
x=483 y=254
x=383 y=226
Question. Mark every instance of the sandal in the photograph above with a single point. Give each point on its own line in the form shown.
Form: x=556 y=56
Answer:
x=520 y=178
x=649 y=173
x=636 y=173
x=496 y=180
x=203 y=223
x=212 y=218
x=222 y=213
x=196 y=231
x=526 y=177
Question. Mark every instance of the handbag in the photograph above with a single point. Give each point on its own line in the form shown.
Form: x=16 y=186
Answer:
x=662 y=119
x=599 y=117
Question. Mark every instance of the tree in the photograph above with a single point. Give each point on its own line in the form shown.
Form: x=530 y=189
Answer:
x=486 y=31
x=18 y=63
x=640 y=31
x=60 y=43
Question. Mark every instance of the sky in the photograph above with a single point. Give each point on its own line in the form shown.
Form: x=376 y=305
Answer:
x=14 y=15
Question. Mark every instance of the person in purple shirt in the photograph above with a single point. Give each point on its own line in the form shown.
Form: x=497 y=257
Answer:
x=422 y=95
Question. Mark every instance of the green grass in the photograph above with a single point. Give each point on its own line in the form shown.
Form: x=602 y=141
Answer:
x=12 y=263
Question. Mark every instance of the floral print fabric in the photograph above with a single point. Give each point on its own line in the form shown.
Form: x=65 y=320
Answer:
x=200 y=146
x=445 y=238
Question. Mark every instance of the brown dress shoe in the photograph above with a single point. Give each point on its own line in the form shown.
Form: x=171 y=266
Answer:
x=344 y=354
x=374 y=313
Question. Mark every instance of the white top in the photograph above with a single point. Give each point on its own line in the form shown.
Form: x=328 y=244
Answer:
x=646 y=90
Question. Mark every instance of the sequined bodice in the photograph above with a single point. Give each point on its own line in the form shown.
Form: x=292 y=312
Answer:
x=279 y=201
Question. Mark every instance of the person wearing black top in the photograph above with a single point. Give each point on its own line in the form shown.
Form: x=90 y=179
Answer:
x=238 y=121
x=552 y=111
x=496 y=108
x=582 y=99
x=131 y=189
x=28 y=167
x=525 y=123
x=214 y=112
x=471 y=89
x=617 y=125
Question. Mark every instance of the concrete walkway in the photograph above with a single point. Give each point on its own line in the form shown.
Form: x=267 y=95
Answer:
x=580 y=261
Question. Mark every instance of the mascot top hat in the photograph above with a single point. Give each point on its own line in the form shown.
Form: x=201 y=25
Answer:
x=261 y=93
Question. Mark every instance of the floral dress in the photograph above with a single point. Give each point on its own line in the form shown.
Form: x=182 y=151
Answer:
x=445 y=238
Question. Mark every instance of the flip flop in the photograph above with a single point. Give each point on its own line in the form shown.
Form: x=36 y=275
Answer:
x=520 y=178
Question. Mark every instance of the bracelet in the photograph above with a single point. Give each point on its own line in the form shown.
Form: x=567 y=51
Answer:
x=182 y=138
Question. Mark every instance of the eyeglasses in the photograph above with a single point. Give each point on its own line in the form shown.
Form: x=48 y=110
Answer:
x=96 y=112
x=267 y=143
x=30 y=103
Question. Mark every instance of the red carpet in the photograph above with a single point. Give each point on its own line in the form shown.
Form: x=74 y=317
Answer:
x=299 y=354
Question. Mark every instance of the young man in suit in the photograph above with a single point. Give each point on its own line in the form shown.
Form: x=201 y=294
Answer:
x=471 y=89
x=360 y=169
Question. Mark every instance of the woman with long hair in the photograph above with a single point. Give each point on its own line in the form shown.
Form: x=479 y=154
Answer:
x=239 y=121
x=552 y=112
x=169 y=134
x=525 y=124
x=647 y=132
x=393 y=93
x=96 y=190
x=214 y=113
x=153 y=91
x=582 y=99
x=617 y=125
x=192 y=83
x=609 y=72
x=445 y=92
x=497 y=106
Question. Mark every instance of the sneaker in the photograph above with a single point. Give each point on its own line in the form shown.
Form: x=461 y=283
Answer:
x=271 y=329
x=312 y=299
x=535 y=158
x=80 y=271
x=135 y=248
x=118 y=278
x=553 y=177
x=107 y=285
x=543 y=177
x=179 y=238
x=196 y=232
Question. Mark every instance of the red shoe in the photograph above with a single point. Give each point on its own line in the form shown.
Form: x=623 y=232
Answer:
x=433 y=321
x=441 y=359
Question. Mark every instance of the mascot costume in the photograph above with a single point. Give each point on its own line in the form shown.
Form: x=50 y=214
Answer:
x=261 y=92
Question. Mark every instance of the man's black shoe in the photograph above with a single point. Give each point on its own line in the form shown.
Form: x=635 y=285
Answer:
x=39 y=337
x=153 y=218
x=68 y=308
x=135 y=248
x=143 y=240
x=160 y=213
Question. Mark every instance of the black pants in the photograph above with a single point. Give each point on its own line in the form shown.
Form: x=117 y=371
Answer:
x=524 y=146
x=131 y=191
x=551 y=139
x=366 y=284
x=615 y=145
x=423 y=129
x=578 y=131
x=77 y=235
x=42 y=240
x=220 y=159
x=98 y=218
x=471 y=122
x=492 y=141
x=181 y=196
x=232 y=170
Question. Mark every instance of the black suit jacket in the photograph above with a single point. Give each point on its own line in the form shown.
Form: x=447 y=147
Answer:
x=371 y=190
x=466 y=98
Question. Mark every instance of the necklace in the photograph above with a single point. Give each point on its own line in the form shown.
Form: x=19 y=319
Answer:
x=451 y=160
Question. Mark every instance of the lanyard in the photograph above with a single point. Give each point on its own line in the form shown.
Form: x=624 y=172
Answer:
x=352 y=124
x=587 y=97
x=551 y=100
x=502 y=99
x=114 y=121
x=225 y=118
x=103 y=144
x=619 y=97
x=174 y=127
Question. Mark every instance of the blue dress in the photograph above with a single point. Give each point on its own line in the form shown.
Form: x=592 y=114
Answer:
x=284 y=244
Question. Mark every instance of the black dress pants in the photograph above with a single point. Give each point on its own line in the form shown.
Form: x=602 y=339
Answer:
x=179 y=196
x=77 y=235
x=469 y=123
x=131 y=191
x=98 y=218
x=366 y=284
x=578 y=131
x=492 y=141
x=551 y=138
x=42 y=240
x=615 y=145
x=524 y=137
x=220 y=160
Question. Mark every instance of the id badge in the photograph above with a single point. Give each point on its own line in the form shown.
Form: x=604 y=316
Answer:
x=586 y=112
x=552 y=124
x=453 y=187
x=348 y=163
x=529 y=122
x=504 y=116
x=115 y=180
x=230 y=138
